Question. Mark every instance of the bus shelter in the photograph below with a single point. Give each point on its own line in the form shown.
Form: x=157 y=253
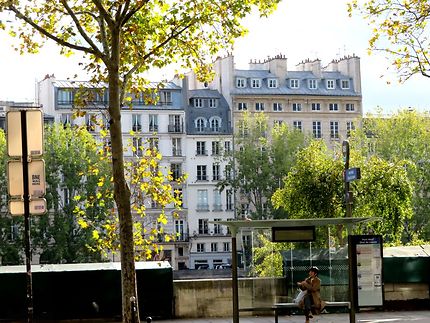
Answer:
x=296 y=225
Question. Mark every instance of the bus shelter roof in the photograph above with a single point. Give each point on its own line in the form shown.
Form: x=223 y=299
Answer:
x=267 y=224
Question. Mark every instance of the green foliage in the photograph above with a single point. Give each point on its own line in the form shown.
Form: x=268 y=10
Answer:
x=403 y=139
x=267 y=257
x=262 y=160
x=314 y=188
x=400 y=28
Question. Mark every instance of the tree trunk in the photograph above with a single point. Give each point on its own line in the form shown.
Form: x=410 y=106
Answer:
x=122 y=191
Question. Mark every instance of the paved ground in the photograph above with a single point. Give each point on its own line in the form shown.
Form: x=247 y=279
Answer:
x=369 y=317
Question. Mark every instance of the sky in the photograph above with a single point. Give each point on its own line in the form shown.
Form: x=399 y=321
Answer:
x=298 y=29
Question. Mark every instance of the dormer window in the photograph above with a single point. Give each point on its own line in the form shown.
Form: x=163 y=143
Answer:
x=312 y=84
x=272 y=83
x=240 y=82
x=330 y=84
x=198 y=103
x=255 y=83
x=212 y=103
x=344 y=84
x=294 y=83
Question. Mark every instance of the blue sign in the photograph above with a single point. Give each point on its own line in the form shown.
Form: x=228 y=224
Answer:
x=352 y=174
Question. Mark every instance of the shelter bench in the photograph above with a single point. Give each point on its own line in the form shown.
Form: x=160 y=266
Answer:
x=277 y=307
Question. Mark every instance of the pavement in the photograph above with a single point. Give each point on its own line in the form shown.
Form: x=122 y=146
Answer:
x=362 y=317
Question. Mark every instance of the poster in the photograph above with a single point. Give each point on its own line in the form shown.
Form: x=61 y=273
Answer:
x=368 y=261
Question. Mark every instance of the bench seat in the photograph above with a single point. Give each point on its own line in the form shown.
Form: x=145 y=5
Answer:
x=277 y=307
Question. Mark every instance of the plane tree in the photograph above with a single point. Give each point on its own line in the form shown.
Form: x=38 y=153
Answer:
x=120 y=40
x=400 y=29
x=262 y=157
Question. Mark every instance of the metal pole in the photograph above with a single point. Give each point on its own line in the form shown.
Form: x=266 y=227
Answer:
x=26 y=196
x=348 y=208
x=234 y=285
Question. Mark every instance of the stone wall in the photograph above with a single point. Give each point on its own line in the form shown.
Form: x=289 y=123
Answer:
x=213 y=297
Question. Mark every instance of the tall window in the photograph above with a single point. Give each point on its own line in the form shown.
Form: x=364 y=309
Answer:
x=217 y=227
x=176 y=170
x=297 y=107
x=200 y=247
x=200 y=124
x=242 y=106
x=226 y=246
x=153 y=143
x=294 y=83
x=259 y=106
x=153 y=123
x=178 y=195
x=334 y=129
x=217 y=201
x=202 y=173
x=203 y=226
x=136 y=122
x=227 y=146
x=175 y=123
x=66 y=119
x=349 y=126
x=216 y=173
x=333 y=107
x=297 y=125
x=316 y=129
x=277 y=107
x=312 y=83
x=90 y=122
x=201 y=148
x=202 y=200
x=215 y=124
x=215 y=148
x=214 y=247
x=179 y=230
x=316 y=106
x=137 y=147
x=229 y=200
x=176 y=147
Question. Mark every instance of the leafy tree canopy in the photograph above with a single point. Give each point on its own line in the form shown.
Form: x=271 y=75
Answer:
x=400 y=29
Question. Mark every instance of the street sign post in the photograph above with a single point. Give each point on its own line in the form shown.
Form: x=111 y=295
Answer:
x=26 y=177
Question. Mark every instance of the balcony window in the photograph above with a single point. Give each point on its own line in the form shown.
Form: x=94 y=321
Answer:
x=316 y=129
x=216 y=172
x=176 y=170
x=153 y=123
x=202 y=201
x=176 y=147
x=334 y=130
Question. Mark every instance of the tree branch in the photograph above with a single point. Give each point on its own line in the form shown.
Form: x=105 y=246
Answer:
x=97 y=52
x=45 y=33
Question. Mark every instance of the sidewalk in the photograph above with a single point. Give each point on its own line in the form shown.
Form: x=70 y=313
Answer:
x=366 y=317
